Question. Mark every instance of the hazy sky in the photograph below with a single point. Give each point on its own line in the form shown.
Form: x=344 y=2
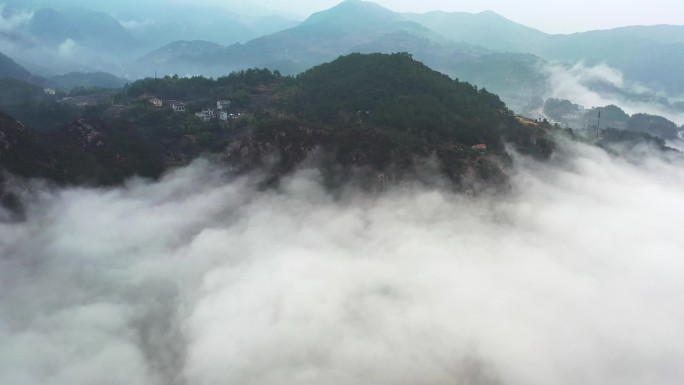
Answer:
x=560 y=16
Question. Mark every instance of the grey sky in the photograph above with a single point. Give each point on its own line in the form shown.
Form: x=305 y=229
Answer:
x=562 y=16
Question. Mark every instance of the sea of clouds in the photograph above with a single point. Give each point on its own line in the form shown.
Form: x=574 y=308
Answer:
x=202 y=278
x=576 y=83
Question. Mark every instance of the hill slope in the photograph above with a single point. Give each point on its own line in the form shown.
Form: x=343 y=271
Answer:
x=10 y=69
x=385 y=115
x=91 y=29
x=646 y=54
x=388 y=113
x=486 y=29
x=322 y=37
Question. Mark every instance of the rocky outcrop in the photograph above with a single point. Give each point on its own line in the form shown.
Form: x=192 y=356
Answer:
x=86 y=133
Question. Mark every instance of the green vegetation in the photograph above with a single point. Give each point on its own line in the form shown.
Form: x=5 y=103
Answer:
x=381 y=112
x=629 y=141
x=376 y=112
x=398 y=93
x=609 y=114
x=235 y=86
x=654 y=125
x=101 y=80
x=29 y=104
x=14 y=91
x=10 y=69
x=558 y=109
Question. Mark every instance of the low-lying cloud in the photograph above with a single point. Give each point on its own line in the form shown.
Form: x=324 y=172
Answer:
x=67 y=48
x=578 y=84
x=201 y=278
x=137 y=25
x=13 y=19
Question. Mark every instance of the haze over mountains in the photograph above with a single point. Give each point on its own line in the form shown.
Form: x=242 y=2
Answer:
x=138 y=40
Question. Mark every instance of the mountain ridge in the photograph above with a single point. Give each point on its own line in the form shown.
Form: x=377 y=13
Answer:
x=374 y=112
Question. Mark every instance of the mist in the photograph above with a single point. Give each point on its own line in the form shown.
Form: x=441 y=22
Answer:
x=574 y=276
x=601 y=85
x=13 y=20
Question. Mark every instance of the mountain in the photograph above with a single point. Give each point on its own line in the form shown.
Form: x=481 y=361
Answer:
x=659 y=34
x=654 y=125
x=645 y=54
x=486 y=29
x=364 y=27
x=322 y=37
x=355 y=26
x=87 y=36
x=10 y=69
x=83 y=27
x=447 y=41
x=14 y=91
x=83 y=151
x=649 y=55
x=169 y=59
x=86 y=80
x=351 y=26
x=161 y=26
x=407 y=99
x=383 y=116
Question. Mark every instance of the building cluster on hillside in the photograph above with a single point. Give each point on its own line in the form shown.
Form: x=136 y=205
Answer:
x=221 y=112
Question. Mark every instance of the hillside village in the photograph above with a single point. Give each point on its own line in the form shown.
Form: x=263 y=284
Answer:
x=222 y=111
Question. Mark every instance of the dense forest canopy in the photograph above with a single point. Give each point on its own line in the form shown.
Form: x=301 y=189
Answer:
x=373 y=111
x=398 y=92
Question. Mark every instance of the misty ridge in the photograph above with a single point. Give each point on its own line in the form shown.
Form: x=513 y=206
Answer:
x=134 y=40
x=205 y=195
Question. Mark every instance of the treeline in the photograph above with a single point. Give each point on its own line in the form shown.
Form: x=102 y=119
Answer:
x=612 y=116
x=198 y=87
x=400 y=94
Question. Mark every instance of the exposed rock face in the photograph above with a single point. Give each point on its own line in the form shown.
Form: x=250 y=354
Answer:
x=279 y=147
x=373 y=154
x=86 y=133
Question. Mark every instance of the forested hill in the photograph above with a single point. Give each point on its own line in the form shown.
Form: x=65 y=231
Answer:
x=383 y=114
x=10 y=69
x=402 y=94
x=387 y=111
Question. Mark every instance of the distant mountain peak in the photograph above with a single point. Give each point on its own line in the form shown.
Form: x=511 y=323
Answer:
x=354 y=12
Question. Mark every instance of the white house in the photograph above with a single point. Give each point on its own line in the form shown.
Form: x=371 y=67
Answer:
x=223 y=115
x=176 y=106
x=49 y=91
x=156 y=102
x=206 y=115
x=222 y=104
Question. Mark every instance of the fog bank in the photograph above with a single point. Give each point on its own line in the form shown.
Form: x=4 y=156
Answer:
x=574 y=277
x=601 y=85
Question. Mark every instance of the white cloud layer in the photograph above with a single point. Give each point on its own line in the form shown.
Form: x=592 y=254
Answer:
x=67 y=48
x=199 y=279
x=575 y=84
x=136 y=25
